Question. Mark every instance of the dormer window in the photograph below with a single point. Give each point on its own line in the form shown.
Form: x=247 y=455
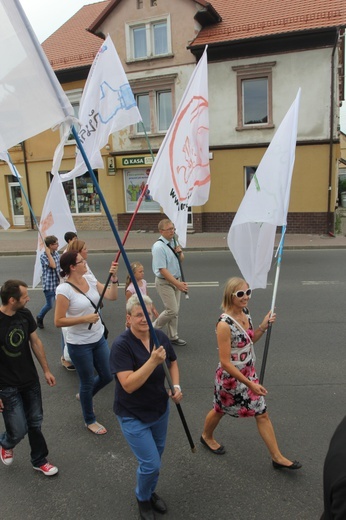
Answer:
x=150 y=39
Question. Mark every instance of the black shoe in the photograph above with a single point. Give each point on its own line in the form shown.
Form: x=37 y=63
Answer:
x=219 y=451
x=178 y=342
x=39 y=322
x=145 y=510
x=158 y=504
x=295 y=465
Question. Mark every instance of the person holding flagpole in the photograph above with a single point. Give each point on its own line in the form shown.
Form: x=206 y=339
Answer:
x=237 y=389
x=76 y=301
x=168 y=280
x=141 y=401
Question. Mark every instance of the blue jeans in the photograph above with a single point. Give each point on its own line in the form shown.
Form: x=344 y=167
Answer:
x=87 y=358
x=147 y=442
x=23 y=414
x=50 y=299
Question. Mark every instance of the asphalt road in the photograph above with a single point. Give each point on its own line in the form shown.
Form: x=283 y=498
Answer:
x=304 y=378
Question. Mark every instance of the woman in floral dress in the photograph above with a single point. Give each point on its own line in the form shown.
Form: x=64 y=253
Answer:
x=237 y=389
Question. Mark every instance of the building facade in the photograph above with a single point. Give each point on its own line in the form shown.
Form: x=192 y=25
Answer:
x=259 y=55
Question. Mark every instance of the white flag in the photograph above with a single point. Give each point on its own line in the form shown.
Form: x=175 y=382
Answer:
x=265 y=204
x=180 y=176
x=3 y=222
x=56 y=219
x=31 y=98
x=107 y=105
x=5 y=156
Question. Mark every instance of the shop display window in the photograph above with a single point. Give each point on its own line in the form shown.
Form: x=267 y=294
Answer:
x=81 y=194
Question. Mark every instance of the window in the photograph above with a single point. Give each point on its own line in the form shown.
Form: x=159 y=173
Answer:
x=74 y=97
x=249 y=174
x=81 y=194
x=155 y=108
x=254 y=96
x=148 y=39
x=155 y=101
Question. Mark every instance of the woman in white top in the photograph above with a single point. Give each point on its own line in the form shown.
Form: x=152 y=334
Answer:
x=88 y=348
x=80 y=246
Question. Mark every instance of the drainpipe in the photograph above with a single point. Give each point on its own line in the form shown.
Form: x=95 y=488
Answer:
x=330 y=220
x=27 y=180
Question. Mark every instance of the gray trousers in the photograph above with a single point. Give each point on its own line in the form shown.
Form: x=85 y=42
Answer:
x=170 y=297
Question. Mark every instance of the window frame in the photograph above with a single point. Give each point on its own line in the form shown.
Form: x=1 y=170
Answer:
x=153 y=87
x=247 y=72
x=148 y=24
x=74 y=96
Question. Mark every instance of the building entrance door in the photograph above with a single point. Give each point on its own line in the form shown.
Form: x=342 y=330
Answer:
x=16 y=204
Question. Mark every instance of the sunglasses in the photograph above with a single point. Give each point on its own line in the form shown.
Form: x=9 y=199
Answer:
x=240 y=294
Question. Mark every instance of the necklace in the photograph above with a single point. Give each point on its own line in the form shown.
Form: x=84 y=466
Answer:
x=242 y=318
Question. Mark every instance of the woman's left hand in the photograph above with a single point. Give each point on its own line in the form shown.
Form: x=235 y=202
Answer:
x=268 y=318
x=177 y=397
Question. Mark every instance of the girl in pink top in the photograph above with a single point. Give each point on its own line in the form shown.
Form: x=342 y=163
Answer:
x=138 y=271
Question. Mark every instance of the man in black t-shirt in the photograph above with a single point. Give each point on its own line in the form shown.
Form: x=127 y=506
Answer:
x=20 y=390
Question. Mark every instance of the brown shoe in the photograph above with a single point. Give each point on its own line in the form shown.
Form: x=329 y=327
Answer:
x=67 y=365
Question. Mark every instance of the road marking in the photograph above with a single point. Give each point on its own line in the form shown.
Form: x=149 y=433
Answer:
x=195 y=284
x=151 y=285
x=321 y=282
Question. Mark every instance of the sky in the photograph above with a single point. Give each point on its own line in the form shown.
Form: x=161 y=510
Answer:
x=46 y=16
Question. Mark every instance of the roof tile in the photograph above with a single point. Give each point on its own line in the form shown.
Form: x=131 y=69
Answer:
x=243 y=19
x=72 y=45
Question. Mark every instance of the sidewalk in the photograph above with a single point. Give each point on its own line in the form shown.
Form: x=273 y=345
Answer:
x=24 y=242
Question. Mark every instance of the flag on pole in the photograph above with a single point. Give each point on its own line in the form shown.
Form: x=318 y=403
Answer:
x=5 y=156
x=29 y=103
x=180 y=176
x=3 y=222
x=56 y=219
x=107 y=106
x=265 y=204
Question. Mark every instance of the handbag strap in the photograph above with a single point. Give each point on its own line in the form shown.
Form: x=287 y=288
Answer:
x=78 y=289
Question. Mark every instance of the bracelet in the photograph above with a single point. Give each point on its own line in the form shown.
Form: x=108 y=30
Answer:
x=115 y=281
x=260 y=328
x=178 y=387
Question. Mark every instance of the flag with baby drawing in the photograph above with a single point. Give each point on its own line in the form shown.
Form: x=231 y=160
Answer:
x=180 y=176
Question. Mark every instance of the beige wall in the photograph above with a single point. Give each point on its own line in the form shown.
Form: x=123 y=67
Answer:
x=309 y=189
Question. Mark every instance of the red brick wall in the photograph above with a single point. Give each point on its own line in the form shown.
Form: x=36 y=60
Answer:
x=311 y=223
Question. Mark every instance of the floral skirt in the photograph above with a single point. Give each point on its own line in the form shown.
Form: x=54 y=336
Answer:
x=235 y=398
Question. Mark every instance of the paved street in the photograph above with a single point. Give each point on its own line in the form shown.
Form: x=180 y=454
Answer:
x=304 y=378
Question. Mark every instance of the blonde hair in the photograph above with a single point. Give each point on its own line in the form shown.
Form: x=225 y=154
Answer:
x=134 y=267
x=76 y=245
x=163 y=223
x=231 y=287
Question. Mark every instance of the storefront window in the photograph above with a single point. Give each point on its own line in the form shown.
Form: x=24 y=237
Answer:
x=81 y=194
x=134 y=181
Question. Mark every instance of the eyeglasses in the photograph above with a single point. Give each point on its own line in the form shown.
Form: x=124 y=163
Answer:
x=80 y=262
x=240 y=294
x=169 y=229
